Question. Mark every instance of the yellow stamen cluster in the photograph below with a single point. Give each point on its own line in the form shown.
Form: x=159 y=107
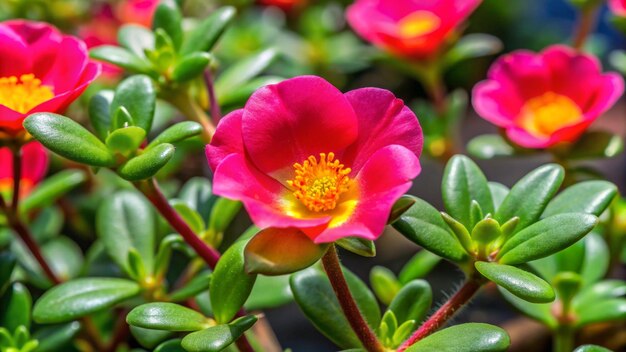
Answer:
x=418 y=23
x=23 y=93
x=318 y=184
x=545 y=114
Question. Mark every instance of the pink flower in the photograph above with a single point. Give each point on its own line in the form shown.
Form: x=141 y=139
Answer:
x=413 y=28
x=302 y=154
x=544 y=98
x=34 y=167
x=137 y=11
x=41 y=70
x=618 y=7
x=286 y=5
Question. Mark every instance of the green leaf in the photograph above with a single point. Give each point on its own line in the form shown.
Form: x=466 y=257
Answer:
x=596 y=258
x=135 y=38
x=206 y=34
x=384 y=283
x=472 y=46
x=56 y=338
x=167 y=316
x=125 y=141
x=138 y=95
x=591 y=348
x=64 y=256
x=68 y=139
x=191 y=66
x=316 y=298
x=191 y=217
x=590 y=197
x=545 y=237
x=51 y=189
x=360 y=246
x=222 y=214
x=269 y=292
x=147 y=164
x=199 y=283
x=517 y=281
x=169 y=18
x=275 y=251
x=121 y=118
x=197 y=192
x=423 y=225
x=80 y=297
x=498 y=192
x=470 y=337
x=217 y=338
x=15 y=307
x=100 y=112
x=603 y=290
x=601 y=311
x=149 y=338
x=244 y=70
x=419 y=266
x=596 y=144
x=230 y=285
x=486 y=231
x=7 y=264
x=400 y=207
x=126 y=221
x=412 y=302
x=530 y=195
x=462 y=183
x=176 y=133
x=489 y=146
x=120 y=57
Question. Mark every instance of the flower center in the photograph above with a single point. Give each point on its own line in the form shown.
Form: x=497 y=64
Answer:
x=23 y=93
x=547 y=113
x=418 y=23
x=318 y=184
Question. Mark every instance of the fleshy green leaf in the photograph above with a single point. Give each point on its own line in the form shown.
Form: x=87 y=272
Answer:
x=15 y=307
x=206 y=34
x=596 y=144
x=149 y=338
x=412 y=302
x=419 y=266
x=100 y=112
x=81 y=297
x=216 y=338
x=538 y=311
x=125 y=141
x=230 y=285
x=147 y=164
x=191 y=217
x=384 y=283
x=357 y=245
x=472 y=46
x=517 y=281
x=199 y=283
x=177 y=133
x=197 y=192
x=530 y=195
x=68 y=139
x=222 y=214
x=136 y=39
x=276 y=251
x=167 y=316
x=191 y=66
x=488 y=146
x=7 y=264
x=244 y=70
x=269 y=292
x=126 y=221
x=120 y=57
x=138 y=95
x=53 y=187
x=168 y=17
x=56 y=338
x=590 y=197
x=601 y=311
x=462 y=183
x=316 y=299
x=423 y=225
x=170 y=346
x=469 y=337
x=591 y=348
x=545 y=237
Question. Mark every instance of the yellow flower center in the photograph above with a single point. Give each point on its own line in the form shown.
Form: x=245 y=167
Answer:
x=318 y=184
x=23 y=93
x=418 y=23
x=547 y=113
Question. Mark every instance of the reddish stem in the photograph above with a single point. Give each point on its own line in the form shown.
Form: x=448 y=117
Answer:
x=151 y=190
x=330 y=260
x=216 y=113
x=445 y=312
x=17 y=177
x=586 y=24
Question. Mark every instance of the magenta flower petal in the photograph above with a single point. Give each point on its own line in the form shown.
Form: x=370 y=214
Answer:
x=227 y=139
x=12 y=50
x=34 y=168
x=383 y=120
x=386 y=176
x=287 y=122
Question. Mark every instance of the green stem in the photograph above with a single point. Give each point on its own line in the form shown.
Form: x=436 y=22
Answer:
x=564 y=339
x=370 y=342
x=445 y=312
x=190 y=108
